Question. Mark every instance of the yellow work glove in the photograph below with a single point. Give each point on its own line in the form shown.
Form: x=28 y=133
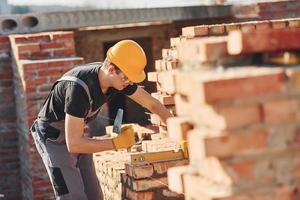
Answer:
x=125 y=139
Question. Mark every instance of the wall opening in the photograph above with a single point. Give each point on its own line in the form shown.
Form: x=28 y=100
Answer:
x=9 y=25
x=30 y=21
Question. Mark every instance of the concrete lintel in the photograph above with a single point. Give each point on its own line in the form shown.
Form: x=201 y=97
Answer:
x=39 y=22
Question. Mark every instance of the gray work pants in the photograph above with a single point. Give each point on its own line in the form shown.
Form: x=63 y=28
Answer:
x=72 y=175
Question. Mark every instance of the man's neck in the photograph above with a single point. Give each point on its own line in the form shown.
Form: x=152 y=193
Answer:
x=103 y=81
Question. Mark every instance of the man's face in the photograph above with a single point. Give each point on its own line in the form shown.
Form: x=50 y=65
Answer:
x=120 y=80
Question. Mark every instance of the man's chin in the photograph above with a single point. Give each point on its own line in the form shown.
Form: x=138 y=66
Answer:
x=120 y=88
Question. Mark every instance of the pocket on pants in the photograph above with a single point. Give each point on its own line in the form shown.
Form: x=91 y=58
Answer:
x=59 y=183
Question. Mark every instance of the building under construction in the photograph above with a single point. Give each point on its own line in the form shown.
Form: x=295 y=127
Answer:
x=228 y=73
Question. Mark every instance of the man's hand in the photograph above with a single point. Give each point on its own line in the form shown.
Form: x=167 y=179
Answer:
x=125 y=139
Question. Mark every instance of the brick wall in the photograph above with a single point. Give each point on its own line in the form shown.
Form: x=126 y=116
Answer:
x=243 y=115
x=121 y=179
x=9 y=161
x=39 y=60
x=268 y=10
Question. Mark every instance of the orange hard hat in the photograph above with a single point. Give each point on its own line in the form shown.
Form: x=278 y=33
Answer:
x=130 y=58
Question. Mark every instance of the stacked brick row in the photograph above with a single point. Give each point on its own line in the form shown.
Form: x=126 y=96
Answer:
x=195 y=45
x=121 y=179
x=9 y=161
x=268 y=9
x=212 y=51
x=164 y=68
x=241 y=123
x=39 y=60
x=224 y=29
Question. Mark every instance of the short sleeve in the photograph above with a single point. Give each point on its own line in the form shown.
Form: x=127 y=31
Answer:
x=129 y=90
x=76 y=101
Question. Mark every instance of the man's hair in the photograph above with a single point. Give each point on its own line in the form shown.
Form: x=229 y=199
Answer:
x=106 y=63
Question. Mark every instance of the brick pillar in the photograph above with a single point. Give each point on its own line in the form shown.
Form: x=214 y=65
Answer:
x=9 y=160
x=39 y=60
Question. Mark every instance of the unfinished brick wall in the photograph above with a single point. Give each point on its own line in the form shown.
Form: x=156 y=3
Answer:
x=120 y=178
x=39 y=60
x=9 y=161
x=245 y=120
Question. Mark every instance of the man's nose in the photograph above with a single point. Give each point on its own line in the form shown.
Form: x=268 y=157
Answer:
x=128 y=82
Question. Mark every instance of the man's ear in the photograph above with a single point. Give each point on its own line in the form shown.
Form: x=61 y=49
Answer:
x=111 y=69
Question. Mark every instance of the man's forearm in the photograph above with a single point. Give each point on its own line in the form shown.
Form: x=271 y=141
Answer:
x=161 y=111
x=90 y=145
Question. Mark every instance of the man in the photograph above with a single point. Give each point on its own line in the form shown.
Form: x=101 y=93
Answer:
x=73 y=101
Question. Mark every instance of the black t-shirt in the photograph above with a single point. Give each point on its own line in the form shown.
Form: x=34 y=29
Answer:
x=70 y=97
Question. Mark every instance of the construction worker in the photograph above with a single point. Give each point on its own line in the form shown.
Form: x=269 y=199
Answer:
x=75 y=100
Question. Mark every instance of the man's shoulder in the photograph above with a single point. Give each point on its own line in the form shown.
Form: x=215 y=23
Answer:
x=82 y=69
x=92 y=64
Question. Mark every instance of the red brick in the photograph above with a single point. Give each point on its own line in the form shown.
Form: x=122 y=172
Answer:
x=138 y=172
x=63 y=35
x=203 y=50
x=4 y=38
x=35 y=65
x=20 y=39
x=232 y=26
x=40 y=55
x=38 y=38
x=237 y=84
x=278 y=24
x=152 y=76
x=69 y=44
x=227 y=117
x=51 y=72
x=167 y=81
x=28 y=47
x=24 y=55
x=4 y=46
x=67 y=52
x=158 y=65
x=132 y=195
x=6 y=74
x=246 y=26
x=195 y=31
x=214 y=191
x=216 y=29
x=163 y=98
x=262 y=25
x=206 y=189
x=32 y=38
x=59 y=63
x=226 y=144
x=281 y=111
x=174 y=41
x=161 y=168
x=146 y=184
x=52 y=45
x=175 y=178
x=30 y=89
x=178 y=127
x=172 y=64
x=243 y=87
x=165 y=53
x=294 y=23
x=259 y=41
x=37 y=81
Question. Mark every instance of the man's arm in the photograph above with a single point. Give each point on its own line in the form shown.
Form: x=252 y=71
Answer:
x=77 y=143
x=153 y=105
